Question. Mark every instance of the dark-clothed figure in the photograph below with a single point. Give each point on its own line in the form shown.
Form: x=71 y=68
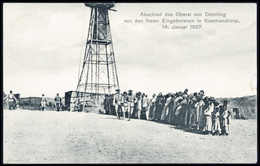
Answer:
x=216 y=121
x=165 y=110
x=186 y=92
x=153 y=107
x=192 y=112
x=106 y=104
x=175 y=109
x=159 y=106
x=171 y=106
x=187 y=111
x=225 y=118
x=111 y=106
x=183 y=110
x=58 y=102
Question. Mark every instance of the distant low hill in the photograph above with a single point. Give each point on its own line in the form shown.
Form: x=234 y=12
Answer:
x=247 y=105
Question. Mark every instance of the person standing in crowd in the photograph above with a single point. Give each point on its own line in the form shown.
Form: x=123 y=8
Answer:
x=11 y=100
x=166 y=107
x=117 y=102
x=139 y=105
x=76 y=105
x=43 y=102
x=225 y=117
x=199 y=112
x=159 y=106
x=152 y=107
x=215 y=120
x=170 y=108
x=124 y=104
x=192 y=117
x=149 y=108
x=207 y=113
x=145 y=103
x=183 y=110
x=176 y=104
x=187 y=112
x=106 y=104
x=111 y=106
x=58 y=102
x=130 y=99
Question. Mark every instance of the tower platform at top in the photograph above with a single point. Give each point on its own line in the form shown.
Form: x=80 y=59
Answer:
x=100 y=5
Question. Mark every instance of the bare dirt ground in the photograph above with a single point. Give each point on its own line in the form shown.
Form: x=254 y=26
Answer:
x=72 y=137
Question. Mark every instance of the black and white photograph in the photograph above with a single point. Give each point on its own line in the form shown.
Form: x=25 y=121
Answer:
x=129 y=83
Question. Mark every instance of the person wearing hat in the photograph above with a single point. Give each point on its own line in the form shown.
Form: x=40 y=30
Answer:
x=43 y=102
x=117 y=102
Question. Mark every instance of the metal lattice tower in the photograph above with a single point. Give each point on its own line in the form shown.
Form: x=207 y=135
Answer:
x=98 y=74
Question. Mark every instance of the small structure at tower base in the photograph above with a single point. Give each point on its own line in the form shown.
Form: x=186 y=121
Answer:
x=82 y=102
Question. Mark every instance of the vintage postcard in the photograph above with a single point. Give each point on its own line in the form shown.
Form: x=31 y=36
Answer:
x=129 y=83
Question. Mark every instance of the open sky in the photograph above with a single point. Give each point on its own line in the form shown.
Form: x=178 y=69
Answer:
x=44 y=45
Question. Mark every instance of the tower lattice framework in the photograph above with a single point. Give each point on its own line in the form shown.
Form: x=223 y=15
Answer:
x=98 y=74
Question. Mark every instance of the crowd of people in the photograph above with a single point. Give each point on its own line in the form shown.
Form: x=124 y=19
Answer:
x=193 y=111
